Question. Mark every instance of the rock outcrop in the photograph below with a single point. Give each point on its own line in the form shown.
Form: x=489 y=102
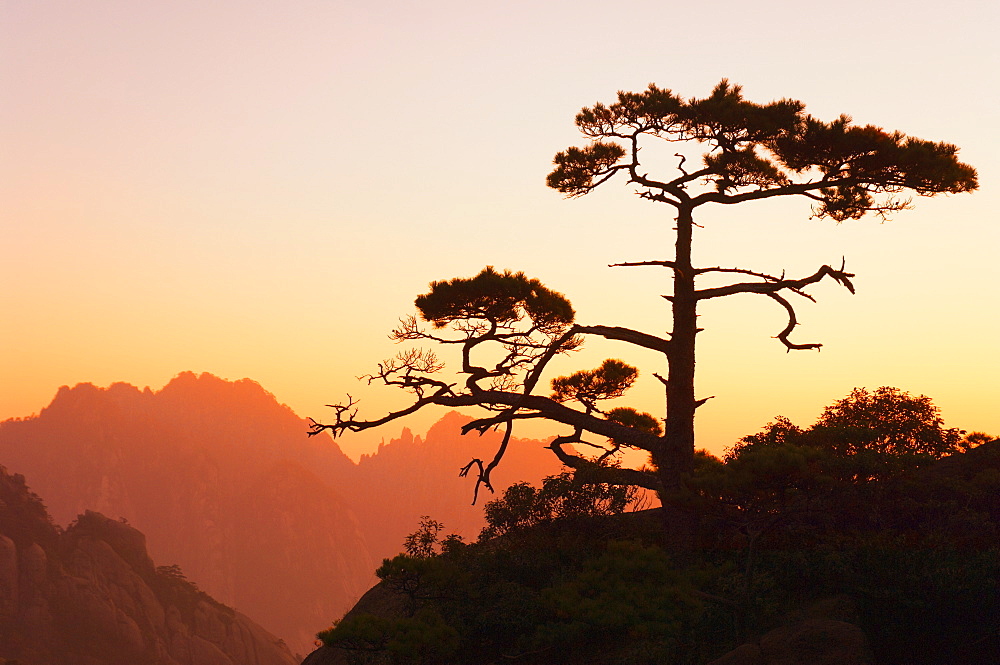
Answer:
x=91 y=595
x=822 y=634
x=806 y=642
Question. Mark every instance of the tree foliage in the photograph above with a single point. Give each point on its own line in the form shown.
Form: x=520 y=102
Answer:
x=502 y=299
x=844 y=472
x=881 y=431
x=424 y=542
x=562 y=496
x=608 y=381
x=757 y=151
x=887 y=422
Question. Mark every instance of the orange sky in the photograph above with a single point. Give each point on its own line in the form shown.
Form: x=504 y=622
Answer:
x=259 y=189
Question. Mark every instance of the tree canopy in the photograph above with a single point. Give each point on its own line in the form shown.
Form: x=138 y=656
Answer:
x=866 y=435
x=508 y=327
x=757 y=151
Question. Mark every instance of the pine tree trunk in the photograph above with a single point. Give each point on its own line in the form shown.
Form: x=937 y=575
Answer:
x=675 y=461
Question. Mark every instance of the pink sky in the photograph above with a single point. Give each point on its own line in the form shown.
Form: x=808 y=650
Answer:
x=259 y=189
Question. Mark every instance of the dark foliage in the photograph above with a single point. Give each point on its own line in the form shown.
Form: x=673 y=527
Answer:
x=500 y=298
x=873 y=433
x=791 y=527
x=562 y=497
x=759 y=150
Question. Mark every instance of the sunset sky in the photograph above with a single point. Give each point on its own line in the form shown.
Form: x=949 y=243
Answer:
x=259 y=189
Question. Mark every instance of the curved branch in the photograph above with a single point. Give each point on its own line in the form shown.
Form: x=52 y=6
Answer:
x=792 y=322
x=785 y=190
x=484 y=472
x=566 y=342
x=544 y=407
x=644 y=179
x=606 y=176
x=674 y=187
x=605 y=474
x=627 y=335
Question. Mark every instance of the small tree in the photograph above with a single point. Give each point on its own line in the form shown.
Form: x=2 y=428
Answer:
x=508 y=327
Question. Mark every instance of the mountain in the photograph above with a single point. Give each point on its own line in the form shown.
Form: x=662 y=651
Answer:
x=91 y=595
x=224 y=483
x=220 y=478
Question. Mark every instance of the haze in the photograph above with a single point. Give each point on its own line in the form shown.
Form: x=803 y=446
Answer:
x=260 y=189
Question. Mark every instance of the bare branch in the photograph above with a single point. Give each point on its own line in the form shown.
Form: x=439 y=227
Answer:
x=629 y=264
x=408 y=371
x=680 y=164
x=741 y=271
x=659 y=197
x=767 y=287
x=484 y=472
x=349 y=424
x=409 y=329
x=792 y=322
x=674 y=188
x=568 y=341
x=771 y=286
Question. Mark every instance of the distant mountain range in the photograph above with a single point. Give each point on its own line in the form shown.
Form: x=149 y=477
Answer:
x=224 y=483
x=90 y=595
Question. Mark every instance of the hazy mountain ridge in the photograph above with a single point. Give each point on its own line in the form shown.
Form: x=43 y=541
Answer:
x=224 y=482
x=90 y=595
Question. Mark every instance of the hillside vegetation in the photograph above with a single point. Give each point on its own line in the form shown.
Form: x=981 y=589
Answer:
x=858 y=540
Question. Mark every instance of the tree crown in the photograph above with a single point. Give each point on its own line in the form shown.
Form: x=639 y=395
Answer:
x=888 y=426
x=499 y=298
x=758 y=151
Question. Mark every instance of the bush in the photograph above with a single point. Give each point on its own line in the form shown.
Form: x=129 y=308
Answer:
x=562 y=496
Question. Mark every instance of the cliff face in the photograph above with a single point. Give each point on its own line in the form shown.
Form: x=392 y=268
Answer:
x=92 y=596
x=224 y=482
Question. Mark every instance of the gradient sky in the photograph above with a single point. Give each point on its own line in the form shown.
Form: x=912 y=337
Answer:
x=260 y=188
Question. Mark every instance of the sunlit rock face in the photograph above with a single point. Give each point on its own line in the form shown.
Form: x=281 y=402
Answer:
x=92 y=595
x=225 y=483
